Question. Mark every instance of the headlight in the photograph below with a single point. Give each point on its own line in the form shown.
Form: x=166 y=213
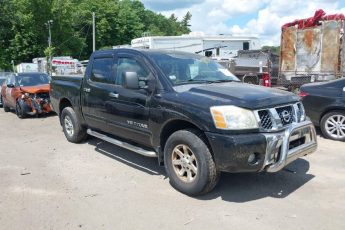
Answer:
x=25 y=95
x=231 y=117
x=301 y=112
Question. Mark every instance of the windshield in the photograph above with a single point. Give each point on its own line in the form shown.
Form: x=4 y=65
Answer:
x=181 y=68
x=32 y=79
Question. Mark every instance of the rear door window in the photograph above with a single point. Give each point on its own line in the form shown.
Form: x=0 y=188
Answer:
x=103 y=70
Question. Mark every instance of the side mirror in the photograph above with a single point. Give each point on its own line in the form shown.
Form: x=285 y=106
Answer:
x=131 y=80
x=10 y=85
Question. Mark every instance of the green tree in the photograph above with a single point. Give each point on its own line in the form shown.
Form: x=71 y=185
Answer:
x=24 y=35
x=7 y=14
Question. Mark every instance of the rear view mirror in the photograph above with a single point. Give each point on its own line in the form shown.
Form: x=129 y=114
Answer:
x=10 y=85
x=131 y=80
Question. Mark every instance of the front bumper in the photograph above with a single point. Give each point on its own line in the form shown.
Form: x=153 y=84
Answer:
x=272 y=151
x=35 y=106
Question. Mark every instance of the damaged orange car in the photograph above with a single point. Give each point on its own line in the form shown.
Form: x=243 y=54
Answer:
x=27 y=93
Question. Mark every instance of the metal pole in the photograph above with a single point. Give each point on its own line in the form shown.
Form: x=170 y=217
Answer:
x=49 y=24
x=12 y=62
x=50 y=35
x=93 y=32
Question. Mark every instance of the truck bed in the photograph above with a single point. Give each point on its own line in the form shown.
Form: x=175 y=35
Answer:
x=67 y=86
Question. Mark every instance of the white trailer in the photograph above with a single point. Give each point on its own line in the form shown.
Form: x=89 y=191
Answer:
x=26 y=67
x=64 y=65
x=218 y=46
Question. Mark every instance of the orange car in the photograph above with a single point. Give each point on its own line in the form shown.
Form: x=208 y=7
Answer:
x=27 y=93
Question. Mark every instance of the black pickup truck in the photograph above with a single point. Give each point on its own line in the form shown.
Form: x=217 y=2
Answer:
x=191 y=113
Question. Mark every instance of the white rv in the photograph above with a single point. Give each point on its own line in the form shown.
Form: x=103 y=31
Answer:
x=217 y=46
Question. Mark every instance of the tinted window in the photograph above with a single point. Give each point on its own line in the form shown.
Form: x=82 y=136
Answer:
x=103 y=70
x=32 y=79
x=131 y=65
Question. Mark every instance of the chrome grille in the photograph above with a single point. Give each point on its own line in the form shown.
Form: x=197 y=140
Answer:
x=277 y=118
x=286 y=114
x=265 y=119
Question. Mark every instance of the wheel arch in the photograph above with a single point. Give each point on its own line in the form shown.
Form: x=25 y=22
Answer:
x=330 y=109
x=180 y=124
x=64 y=102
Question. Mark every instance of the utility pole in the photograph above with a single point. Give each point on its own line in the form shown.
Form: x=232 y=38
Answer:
x=49 y=24
x=93 y=32
x=12 y=62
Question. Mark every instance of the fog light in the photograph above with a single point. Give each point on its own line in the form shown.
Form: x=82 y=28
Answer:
x=253 y=158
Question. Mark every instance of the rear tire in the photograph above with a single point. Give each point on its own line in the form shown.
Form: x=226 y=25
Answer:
x=333 y=125
x=189 y=163
x=72 y=128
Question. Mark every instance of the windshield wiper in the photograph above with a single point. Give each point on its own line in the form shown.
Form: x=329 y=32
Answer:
x=223 y=80
x=192 y=81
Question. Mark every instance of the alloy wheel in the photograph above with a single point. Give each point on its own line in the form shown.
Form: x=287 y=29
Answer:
x=184 y=163
x=69 y=126
x=335 y=126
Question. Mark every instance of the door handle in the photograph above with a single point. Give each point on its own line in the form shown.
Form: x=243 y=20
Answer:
x=114 y=95
x=87 y=90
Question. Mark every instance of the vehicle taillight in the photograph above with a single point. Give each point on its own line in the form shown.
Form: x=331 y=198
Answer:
x=266 y=80
x=303 y=94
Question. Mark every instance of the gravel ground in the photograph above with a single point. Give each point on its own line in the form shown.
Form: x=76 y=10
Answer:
x=49 y=183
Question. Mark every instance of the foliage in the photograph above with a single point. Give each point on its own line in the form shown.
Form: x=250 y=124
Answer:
x=24 y=34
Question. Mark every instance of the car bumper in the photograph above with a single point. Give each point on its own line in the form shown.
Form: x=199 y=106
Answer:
x=35 y=106
x=263 y=151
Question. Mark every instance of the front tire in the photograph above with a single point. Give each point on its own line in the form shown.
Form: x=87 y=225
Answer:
x=72 y=128
x=20 y=111
x=333 y=125
x=189 y=163
x=5 y=107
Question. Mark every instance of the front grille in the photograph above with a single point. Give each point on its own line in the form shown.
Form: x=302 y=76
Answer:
x=279 y=117
x=43 y=95
x=251 y=80
x=286 y=114
x=300 y=80
x=265 y=119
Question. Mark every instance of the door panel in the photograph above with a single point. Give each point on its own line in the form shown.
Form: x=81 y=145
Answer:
x=95 y=91
x=128 y=109
x=127 y=115
x=11 y=92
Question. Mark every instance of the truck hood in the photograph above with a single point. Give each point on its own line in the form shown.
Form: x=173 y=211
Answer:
x=36 y=89
x=239 y=94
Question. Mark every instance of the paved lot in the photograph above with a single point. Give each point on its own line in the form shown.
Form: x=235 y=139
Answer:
x=49 y=183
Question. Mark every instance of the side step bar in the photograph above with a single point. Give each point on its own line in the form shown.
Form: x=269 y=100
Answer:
x=122 y=144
